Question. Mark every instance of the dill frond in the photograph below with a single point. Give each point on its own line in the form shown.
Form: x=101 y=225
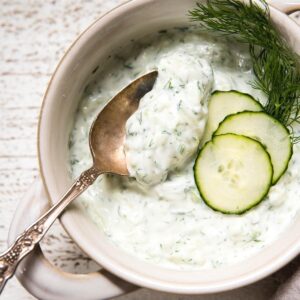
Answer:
x=275 y=65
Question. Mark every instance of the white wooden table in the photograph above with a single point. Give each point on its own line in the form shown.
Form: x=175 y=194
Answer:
x=33 y=37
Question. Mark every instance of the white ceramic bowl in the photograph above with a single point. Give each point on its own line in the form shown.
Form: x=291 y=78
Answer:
x=133 y=19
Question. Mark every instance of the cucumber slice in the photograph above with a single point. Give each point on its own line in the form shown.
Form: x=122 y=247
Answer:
x=222 y=104
x=265 y=129
x=233 y=173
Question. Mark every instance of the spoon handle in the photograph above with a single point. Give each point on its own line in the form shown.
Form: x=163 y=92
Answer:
x=26 y=242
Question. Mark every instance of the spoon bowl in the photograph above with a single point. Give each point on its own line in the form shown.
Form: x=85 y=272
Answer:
x=107 y=134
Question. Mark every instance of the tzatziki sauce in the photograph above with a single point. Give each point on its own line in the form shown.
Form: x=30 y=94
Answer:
x=157 y=214
x=166 y=130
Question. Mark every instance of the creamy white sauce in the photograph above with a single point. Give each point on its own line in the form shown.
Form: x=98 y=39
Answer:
x=168 y=223
x=166 y=129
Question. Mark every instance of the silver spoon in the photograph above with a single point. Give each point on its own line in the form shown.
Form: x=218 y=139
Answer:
x=106 y=139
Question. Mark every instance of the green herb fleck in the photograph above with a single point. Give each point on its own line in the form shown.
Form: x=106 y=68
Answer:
x=181 y=149
x=128 y=66
x=177 y=132
x=140 y=118
x=199 y=86
x=179 y=105
x=166 y=132
x=74 y=161
x=150 y=143
x=255 y=237
x=169 y=85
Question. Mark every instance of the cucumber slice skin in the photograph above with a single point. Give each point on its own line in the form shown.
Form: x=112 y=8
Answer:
x=252 y=205
x=249 y=102
x=288 y=158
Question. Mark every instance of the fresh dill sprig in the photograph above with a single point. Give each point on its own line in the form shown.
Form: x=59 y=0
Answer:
x=276 y=66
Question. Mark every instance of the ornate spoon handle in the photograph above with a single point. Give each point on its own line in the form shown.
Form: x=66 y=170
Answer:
x=26 y=242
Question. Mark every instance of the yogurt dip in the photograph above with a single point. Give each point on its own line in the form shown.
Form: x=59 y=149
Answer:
x=166 y=130
x=158 y=216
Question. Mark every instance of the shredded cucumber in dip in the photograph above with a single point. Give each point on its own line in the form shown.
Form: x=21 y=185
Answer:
x=166 y=129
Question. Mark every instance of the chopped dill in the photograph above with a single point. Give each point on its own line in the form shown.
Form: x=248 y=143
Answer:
x=179 y=105
x=150 y=143
x=181 y=149
x=199 y=86
x=169 y=85
x=140 y=118
x=255 y=237
x=166 y=132
x=177 y=132
x=128 y=66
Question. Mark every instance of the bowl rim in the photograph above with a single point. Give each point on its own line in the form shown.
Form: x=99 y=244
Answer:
x=130 y=275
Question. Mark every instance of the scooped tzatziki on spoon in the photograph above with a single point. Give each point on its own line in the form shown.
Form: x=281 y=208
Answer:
x=165 y=131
